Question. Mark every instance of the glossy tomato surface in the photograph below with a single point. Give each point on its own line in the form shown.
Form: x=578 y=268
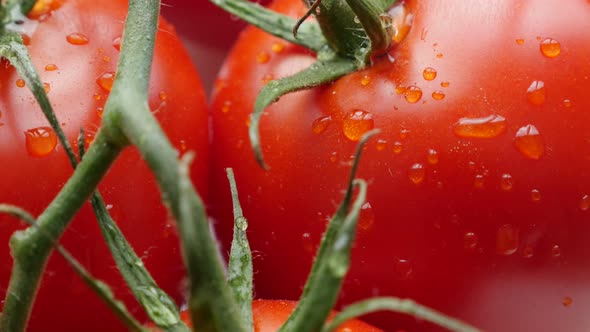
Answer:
x=269 y=316
x=479 y=190
x=207 y=31
x=75 y=48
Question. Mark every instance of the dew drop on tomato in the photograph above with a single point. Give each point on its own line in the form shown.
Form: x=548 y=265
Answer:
x=445 y=84
x=50 y=67
x=365 y=80
x=77 y=38
x=367 y=217
x=520 y=41
x=567 y=301
x=40 y=142
x=413 y=94
x=470 y=241
x=429 y=74
x=106 y=80
x=20 y=83
x=478 y=182
x=506 y=182
x=487 y=127
x=507 y=239
x=403 y=268
x=356 y=123
x=381 y=144
x=43 y=8
x=333 y=157
x=417 y=173
x=567 y=103
x=529 y=143
x=163 y=95
x=555 y=251
x=536 y=195
x=536 y=93
x=320 y=125
x=263 y=57
x=403 y=134
x=307 y=242
x=47 y=87
x=278 y=47
x=438 y=95
x=99 y=111
x=117 y=43
x=432 y=157
x=397 y=148
x=528 y=251
x=550 y=48
x=400 y=89
x=226 y=107
x=585 y=203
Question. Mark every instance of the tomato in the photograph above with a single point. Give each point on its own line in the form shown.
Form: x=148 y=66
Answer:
x=269 y=315
x=479 y=190
x=75 y=50
x=194 y=22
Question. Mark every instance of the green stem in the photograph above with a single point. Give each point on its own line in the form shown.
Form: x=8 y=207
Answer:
x=31 y=247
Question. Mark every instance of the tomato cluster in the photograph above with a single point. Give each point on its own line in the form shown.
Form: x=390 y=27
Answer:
x=479 y=190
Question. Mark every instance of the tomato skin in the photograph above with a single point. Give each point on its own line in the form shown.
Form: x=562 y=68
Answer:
x=478 y=229
x=269 y=316
x=194 y=22
x=129 y=189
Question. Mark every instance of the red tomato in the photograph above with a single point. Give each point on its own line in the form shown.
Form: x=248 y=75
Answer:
x=479 y=189
x=206 y=30
x=75 y=49
x=269 y=315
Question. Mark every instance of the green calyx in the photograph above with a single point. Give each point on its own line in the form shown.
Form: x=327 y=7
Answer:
x=346 y=36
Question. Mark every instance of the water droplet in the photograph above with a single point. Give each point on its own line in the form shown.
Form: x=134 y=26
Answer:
x=183 y=146
x=106 y=58
x=567 y=103
x=267 y=78
x=357 y=20
x=478 y=182
x=529 y=142
x=106 y=81
x=40 y=142
x=429 y=74
x=555 y=251
x=567 y=301
x=43 y=8
x=226 y=107
x=367 y=217
x=334 y=156
x=117 y=43
x=470 y=241
x=536 y=195
x=365 y=80
x=403 y=134
x=528 y=251
x=397 y=148
x=507 y=239
x=438 y=95
x=585 y=203
x=520 y=41
x=97 y=97
x=536 y=93
x=163 y=95
x=417 y=173
x=445 y=84
x=47 y=87
x=77 y=38
x=278 y=47
x=550 y=47
x=488 y=127
x=50 y=67
x=506 y=182
x=20 y=83
x=403 y=268
x=381 y=144
x=320 y=125
x=432 y=157
x=356 y=123
x=439 y=55
x=263 y=57
x=413 y=94
x=307 y=242
x=99 y=111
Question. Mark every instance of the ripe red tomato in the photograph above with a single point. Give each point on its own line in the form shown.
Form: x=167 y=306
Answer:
x=75 y=49
x=207 y=31
x=479 y=189
x=269 y=315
